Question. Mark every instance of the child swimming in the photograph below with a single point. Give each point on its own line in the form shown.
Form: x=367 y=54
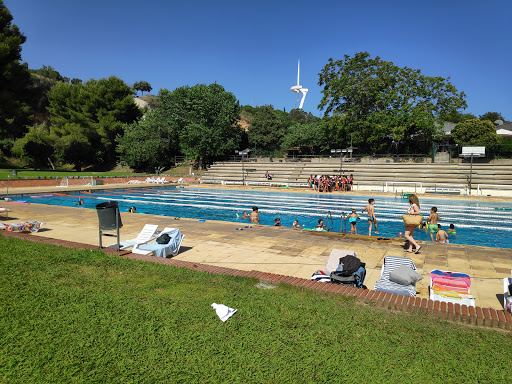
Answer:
x=452 y=230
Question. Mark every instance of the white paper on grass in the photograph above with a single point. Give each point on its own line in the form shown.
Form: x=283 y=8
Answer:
x=223 y=311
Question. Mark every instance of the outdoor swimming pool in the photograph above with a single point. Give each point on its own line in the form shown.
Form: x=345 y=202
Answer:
x=477 y=223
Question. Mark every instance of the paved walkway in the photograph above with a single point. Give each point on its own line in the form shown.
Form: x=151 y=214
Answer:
x=282 y=250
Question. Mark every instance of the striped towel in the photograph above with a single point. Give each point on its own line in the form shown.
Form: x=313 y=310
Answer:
x=450 y=282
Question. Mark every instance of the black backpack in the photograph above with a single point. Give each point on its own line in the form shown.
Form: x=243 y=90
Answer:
x=350 y=264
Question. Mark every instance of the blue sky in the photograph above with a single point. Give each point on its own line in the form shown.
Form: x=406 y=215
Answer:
x=251 y=48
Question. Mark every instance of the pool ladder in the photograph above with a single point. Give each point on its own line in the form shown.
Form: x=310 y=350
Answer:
x=330 y=228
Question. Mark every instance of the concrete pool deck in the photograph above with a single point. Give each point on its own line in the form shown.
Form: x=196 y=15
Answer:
x=278 y=250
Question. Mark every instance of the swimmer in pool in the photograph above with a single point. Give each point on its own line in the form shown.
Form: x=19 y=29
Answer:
x=320 y=226
x=80 y=201
x=277 y=222
x=452 y=230
x=132 y=209
x=255 y=216
x=441 y=236
x=245 y=215
x=352 y=219
x=296 y=224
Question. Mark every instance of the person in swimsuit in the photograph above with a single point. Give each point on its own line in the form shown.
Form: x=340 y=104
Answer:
x=371 y=216
x=132 y=209
x=255 y=216
x=320 y=226
x=352 y=219
x=296 y=224
x=452 y=230
x=245 y=215
x=432 y=222
x=414 y=209
x=277 y=222
x=441 y=235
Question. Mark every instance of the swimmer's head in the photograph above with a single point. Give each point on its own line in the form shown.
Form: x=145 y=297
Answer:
x=439 y=226
x=353 y=211
x=452 y=226
x=255 y=209
x=400 y=235
x=433 y=209
x=320 y=221
x=277 y=219
x=296 y=222
x=371 y=201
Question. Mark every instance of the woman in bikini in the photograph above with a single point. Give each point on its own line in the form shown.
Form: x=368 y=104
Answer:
x=414 y=209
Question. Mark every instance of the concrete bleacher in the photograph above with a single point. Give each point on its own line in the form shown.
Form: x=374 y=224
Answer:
x=450 y=178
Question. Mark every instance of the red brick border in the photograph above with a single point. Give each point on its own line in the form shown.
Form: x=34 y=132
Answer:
x=488 y=317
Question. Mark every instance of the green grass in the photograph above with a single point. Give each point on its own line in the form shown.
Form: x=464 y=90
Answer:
x=34 y=174
x=82 y=316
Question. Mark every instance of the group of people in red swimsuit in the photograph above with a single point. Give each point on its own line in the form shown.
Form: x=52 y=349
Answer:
x=331 y=183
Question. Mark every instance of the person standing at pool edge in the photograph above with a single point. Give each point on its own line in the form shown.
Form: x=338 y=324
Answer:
x=414 y=209
x=255 y=216
x=371 y=216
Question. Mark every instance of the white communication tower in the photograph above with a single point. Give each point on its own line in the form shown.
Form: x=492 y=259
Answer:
x=298 y=89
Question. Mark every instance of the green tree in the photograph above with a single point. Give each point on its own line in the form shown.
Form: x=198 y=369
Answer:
x=300 y=116
x=150 y=142
x=206 y=116
x=95 y=112
x=476 y=132
x=267 y=129
x=491 y=116
x=309 y=137
x=36 y=147
x=380 y=101
x=457 y=117
x=142 y=86
x=48 y=72
x=76 y=81
x=199 y=121
x=15 y=112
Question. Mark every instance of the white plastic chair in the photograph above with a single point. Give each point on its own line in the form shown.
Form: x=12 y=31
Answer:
x=147 y=234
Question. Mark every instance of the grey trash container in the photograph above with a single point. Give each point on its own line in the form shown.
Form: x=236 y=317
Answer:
x=107 y=213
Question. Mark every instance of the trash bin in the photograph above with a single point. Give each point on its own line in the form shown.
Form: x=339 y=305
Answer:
x=14 y=172
x=107 y=213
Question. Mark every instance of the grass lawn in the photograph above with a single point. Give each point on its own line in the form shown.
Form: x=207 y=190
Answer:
x=83 y=316
x=34 y=174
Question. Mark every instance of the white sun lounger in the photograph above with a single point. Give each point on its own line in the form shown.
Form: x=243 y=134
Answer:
x=163 y=250
x=147 y=234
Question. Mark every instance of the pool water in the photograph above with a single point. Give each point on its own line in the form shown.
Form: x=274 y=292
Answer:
x=477 y=223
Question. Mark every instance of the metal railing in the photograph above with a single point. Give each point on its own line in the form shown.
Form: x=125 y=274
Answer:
x=479 y=192
x=385 y=189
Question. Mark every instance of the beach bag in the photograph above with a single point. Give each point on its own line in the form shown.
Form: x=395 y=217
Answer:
x=356 y=279
x=163 y=239
x=348 y=265
x=412 y=220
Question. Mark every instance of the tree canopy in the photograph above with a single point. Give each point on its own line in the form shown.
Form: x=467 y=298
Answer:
x=88 y=117
x=492 y=116
x=142 y=86
x=380 y=102
x=475 y=132
x=199 y=121
x=268 y=128
x=14 y=79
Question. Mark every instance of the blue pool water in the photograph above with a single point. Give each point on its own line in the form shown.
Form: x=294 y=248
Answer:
x=477 y=223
